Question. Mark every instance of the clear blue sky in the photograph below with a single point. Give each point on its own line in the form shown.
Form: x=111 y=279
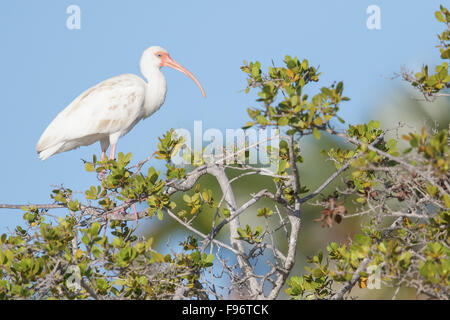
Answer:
x=44 y=66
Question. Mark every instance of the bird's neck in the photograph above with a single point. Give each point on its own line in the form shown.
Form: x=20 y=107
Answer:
x=155 y=92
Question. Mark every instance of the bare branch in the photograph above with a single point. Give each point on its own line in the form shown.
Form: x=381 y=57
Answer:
x=219 y=173
x=339 y=295
x=337 y=173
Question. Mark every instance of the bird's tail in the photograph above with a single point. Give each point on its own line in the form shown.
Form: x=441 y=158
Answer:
x=47 y=153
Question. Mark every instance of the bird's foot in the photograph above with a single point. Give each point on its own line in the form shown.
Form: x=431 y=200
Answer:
x=135 y=212
x=122 y=210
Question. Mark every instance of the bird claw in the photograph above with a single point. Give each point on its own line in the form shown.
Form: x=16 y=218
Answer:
x=135 y=212
x=122 y=210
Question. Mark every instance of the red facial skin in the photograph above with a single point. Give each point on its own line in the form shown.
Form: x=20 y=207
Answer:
x=167 y=61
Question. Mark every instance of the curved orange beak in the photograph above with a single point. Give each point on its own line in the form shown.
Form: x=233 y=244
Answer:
x=167 y=61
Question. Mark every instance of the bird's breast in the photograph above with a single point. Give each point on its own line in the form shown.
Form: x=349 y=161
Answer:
x=155 y=94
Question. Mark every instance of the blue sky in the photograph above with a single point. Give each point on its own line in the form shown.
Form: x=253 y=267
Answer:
x=44 y=66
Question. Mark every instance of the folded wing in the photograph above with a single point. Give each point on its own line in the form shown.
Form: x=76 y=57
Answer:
x=112 y=106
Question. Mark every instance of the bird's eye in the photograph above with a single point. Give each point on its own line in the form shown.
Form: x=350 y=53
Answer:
x=159 y=55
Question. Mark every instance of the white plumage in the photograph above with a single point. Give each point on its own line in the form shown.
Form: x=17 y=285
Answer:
x=110 y=109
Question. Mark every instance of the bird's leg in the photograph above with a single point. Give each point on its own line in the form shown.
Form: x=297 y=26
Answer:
x=112 y=152
x=103 y=172
x=112 y=156
x=135 y=212
x=104 y=144
x=122 y=210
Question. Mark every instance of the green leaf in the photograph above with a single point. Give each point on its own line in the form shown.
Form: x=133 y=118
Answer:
x=340 y=87
x=447 y=201
x=73 y=205
x=160 y=215
x=283 y=121
x=262 y=120
x=89 y=167
x=249 y=124
x=316 y=133
x=209 y=259
x=318 y=122
x=439 y=16
x=226 y=212
x=362 y=239
x=85 y=240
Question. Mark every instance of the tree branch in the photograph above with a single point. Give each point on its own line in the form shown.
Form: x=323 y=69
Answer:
x=337 y=173
x=219 y=173
x=339 y=295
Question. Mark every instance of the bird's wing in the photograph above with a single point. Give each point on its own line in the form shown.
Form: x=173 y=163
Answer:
x=113 y=105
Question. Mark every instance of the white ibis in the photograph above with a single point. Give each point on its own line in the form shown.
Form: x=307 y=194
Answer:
x=112 y=108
